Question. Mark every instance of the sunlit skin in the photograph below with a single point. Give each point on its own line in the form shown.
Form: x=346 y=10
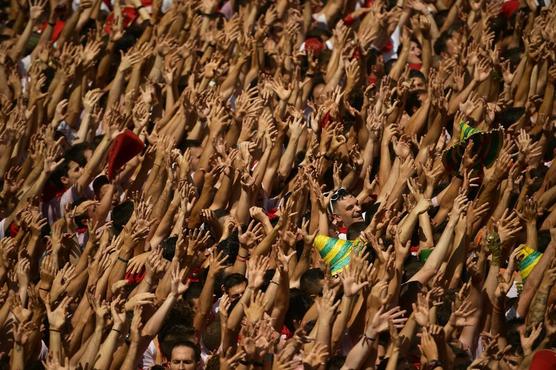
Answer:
x=183 y=358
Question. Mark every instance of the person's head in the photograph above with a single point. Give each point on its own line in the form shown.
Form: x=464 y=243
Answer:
x=70 y=170
x=417 y=80
x=299 y=304
x=449 y=43
x=311 y=282
x=345 y=208
x=414 y=53
x=185 y=355
x=234 y=285
x=211 y=336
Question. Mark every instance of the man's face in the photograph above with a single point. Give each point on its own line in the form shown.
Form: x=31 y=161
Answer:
x=74 y=173
x=183 y=358
x=236 y=291
x=348 y=210
x=417 y=84
x=414 y=53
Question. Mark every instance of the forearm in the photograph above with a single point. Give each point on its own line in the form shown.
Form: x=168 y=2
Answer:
x=234 y=320
x=165 y=226
x=461 y=97
x=93 y=346
x=224 y=192
x=92 y=167
x=288 y=157
x=204 y=201
x=405 y=229
x=131 y=357
x=205 y=303
x=538 y=304
x=55 y=344
x=17 y=50
x=522 y=91
x=418 y=120
x=341 y=321
x=107 y=348
x=69 y=28
x=152 y=327
x=437 y=256
x=17 y=358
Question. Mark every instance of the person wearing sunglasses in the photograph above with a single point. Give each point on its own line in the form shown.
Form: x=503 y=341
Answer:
x=347 y=215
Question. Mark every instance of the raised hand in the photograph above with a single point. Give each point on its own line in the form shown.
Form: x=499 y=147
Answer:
x=254 y=231
x=428 y=346
x=379 y=323
x=256 y=269
x=58 y=317
x=350 y=282
x=256 y=308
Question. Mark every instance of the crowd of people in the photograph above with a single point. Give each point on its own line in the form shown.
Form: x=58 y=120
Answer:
x=255 y=184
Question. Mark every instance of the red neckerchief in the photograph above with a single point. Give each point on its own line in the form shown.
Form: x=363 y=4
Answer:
x=342 y=230
x=415 y=66
x=13 y=229
x=81 y=230
x=271 y=213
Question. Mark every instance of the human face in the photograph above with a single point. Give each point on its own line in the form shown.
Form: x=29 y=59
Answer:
x=453 y=44
x=183 y=358
x=236 y=291
x=74 y=173
x=417 y=84
x=348 y=210
x=414 y=53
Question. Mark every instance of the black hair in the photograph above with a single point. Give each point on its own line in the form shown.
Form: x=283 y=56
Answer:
x=193 y=292
x=73 y=154
x=211 y=336
x=186 y=343
x=413 y=73
x=509 y=116
x=121 y=215
x=412 y=103
x=230 y=247
x=233 y=280
x=310 y=282
x=299 y=304
x=173 y=336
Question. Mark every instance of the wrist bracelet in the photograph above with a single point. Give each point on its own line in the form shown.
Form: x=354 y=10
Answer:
x=46 y=290
x=367 y=338
x=54 y=330
x=117 y=331
x=273 y=282
x=122 y=259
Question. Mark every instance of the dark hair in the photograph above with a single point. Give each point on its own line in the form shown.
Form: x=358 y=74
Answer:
x=73 y=154
x=413 y=73
x=193 y=292
x=211 y=335
x=186 y=343
x=310 y=282
x=233 y=280
x=173 y=336
x=121 y=215
x=299 y=304
x=230 y=247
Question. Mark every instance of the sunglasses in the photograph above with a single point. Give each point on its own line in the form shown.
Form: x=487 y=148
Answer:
x=336 y=196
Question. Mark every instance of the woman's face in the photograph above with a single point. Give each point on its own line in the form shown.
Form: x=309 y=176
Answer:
x=414 y=53
x=453 y=44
